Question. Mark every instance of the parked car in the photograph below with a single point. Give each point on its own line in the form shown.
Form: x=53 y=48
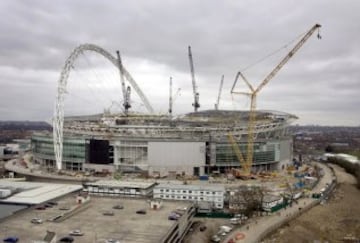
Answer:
x=47 y=205
x=202 y=228
x=108 y=213
x=215 y=238
x=67 y=239
x=65 y=207
x=226 y=228
x=174 y=216
x=235 y=221
x=11 y=239
x=36 y=221
x=141 y=211
x=76 y=232
x=52 y=203
x=118 y=206
x=40 y=207
x=112 y=241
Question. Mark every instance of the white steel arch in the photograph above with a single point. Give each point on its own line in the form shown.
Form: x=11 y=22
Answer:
x=58 y=121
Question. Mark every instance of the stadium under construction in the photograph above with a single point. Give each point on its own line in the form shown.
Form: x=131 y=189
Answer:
x=193 y=144
x=197 y=143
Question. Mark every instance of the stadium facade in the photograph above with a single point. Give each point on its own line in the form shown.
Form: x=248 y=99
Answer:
x=192 y=144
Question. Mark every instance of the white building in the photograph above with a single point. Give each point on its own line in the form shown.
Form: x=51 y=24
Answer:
x=197 y=193
x=119 y=188
x=271 y=201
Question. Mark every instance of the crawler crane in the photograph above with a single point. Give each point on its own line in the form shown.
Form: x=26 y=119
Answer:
x=254 y=91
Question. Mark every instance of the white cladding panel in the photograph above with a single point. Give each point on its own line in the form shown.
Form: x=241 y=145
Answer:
x=176 y=154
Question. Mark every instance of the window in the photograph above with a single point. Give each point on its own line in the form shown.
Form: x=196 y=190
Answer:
x=161 y=190
x=184 y=191
x=190 y=191
x=167 y=190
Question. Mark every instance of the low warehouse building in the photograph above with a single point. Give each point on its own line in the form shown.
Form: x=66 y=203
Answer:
x=196 y=193
x=119 y=188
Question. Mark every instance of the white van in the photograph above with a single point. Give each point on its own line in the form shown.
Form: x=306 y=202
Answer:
x=235 y=221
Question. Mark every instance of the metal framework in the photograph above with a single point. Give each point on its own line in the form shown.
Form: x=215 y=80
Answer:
x=58 y=121
x=254 y=91
x=219 y=95
x=196 y=103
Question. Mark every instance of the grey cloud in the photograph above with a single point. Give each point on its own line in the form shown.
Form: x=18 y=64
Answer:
x=225 y=37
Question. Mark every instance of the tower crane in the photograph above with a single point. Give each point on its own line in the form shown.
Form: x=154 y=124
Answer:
x=254 y=91
x=172 y=98
x=219 y=95
x=126 y=92
x=196 y=103
x=127 y=99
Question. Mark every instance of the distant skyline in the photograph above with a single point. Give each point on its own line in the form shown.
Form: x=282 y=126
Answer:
x=320 y=84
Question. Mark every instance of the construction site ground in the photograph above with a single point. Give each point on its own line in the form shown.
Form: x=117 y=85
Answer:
x=331 y=221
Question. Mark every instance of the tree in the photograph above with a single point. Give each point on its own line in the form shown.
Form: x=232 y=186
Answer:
x=329 y=149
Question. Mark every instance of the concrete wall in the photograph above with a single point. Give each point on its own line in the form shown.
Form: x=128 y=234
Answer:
x=286 y=152
x=178 y=157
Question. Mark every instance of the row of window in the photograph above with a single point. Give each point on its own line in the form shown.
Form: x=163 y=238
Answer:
x=191 y=192
x=112 y=190
x=189 y=198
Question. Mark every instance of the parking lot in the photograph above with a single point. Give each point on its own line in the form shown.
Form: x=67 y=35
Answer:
x=205 y=228
x=124 y=225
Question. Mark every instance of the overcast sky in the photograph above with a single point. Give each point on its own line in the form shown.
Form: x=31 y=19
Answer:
x=320 y=84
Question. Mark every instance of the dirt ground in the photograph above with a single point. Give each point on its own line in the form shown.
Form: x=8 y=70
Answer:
x=331 y=221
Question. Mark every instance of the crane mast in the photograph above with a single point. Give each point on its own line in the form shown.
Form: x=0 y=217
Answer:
x=126 y=95
x=196 y=103
x=253 y=93
x=219 y=95
x=127 y=98
x=170 y=97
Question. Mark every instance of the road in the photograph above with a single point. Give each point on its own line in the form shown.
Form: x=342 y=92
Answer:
x=257 y=227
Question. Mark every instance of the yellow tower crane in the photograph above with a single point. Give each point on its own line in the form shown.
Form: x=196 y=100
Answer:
x=254 y=91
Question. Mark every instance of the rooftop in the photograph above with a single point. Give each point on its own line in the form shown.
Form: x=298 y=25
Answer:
x=35 y=192
x=128 y=184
